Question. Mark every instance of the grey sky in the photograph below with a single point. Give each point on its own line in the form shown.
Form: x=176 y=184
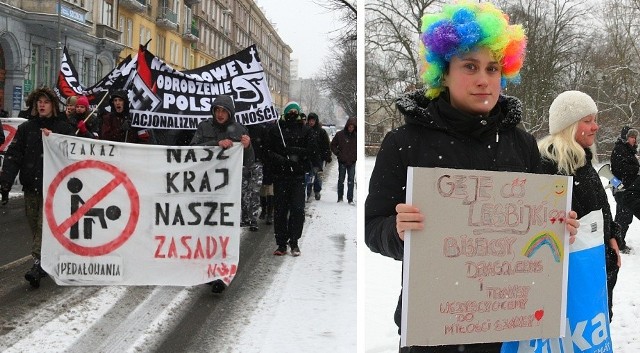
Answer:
x=306 y=27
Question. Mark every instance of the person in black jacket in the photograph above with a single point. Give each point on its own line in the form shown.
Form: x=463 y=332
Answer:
x=324 y=155
x=345 y=146
x=567 y=150
x=24 y=156
x=460 y=120
x=291 y=150
x=625 y=166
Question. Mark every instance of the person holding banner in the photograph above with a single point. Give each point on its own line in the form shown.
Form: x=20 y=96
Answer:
x=116 y=124
x=459 y=120
x=86 y=125
x=24 y=156
x=223 y=130
x=292 y=153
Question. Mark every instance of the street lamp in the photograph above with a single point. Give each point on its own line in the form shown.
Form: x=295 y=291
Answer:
x=58 y=48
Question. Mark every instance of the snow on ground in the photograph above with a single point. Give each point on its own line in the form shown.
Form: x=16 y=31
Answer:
x=311 y=306
x=382 y=285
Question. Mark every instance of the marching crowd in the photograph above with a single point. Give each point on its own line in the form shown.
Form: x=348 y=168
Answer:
x=283 y=160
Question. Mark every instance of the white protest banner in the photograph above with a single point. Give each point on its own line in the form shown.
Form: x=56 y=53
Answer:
x=9 y=128
x=130 y=214
x=491 y=262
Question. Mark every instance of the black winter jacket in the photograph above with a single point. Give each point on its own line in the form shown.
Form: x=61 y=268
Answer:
x=322 y=141
x=624 y=163
x=437 y=135
x=588 y=194
x=299 y=155
x=24 y=155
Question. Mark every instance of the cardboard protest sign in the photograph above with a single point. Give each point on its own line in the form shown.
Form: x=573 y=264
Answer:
x=491 y=262
x=127 y=214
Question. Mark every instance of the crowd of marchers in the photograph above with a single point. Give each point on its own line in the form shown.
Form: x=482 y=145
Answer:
x=283 y=159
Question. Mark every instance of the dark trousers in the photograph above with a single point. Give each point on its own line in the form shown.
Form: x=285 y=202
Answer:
x=33 y=210
x=288 y=220
x=316 y=185
x=624 y=217
x=350 y=171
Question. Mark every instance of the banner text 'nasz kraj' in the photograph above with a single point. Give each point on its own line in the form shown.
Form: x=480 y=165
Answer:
x=129 y=214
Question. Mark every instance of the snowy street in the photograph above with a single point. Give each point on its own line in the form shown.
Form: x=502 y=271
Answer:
x=274 y=304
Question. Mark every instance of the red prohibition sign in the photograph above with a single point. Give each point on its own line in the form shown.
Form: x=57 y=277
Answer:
x=11 y=132
x=59 y=230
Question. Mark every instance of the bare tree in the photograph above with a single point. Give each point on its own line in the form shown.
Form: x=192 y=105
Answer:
x=554 y=42
x=339 y=74
x=392 y=59
x=340 y=77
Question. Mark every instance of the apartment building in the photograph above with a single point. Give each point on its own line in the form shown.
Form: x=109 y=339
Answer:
x=100 y=33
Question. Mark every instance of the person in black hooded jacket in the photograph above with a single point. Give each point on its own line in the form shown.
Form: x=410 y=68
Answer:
x=115 y=125
x=25 y=156
x=460 y=121
x=567 y=150
x=625 y=166
x=291 y=151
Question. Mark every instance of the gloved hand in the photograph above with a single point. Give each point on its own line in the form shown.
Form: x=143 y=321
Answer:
x=319 y=173
x=4 y=191
x=82 y=127
x=126 y=125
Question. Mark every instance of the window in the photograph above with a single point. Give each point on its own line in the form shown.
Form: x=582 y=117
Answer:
x=129 y=32
x=160 y=46
x=173 y=52
x=121 y=28
x=106 y=12
x=47 y=67
x=86 y=72
x=186 y=56
x=33 y=68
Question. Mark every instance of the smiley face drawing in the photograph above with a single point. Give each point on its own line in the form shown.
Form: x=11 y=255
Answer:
x=559 y=188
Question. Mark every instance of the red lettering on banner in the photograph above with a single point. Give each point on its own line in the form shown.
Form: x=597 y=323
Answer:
x=187 y=248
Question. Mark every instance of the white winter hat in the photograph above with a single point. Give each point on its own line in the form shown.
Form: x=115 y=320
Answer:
x=569 y=107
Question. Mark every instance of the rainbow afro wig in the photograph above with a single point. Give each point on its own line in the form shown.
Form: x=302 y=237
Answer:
x=464 y=27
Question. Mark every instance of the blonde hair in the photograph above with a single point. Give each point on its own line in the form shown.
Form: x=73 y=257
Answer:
x=563 y=149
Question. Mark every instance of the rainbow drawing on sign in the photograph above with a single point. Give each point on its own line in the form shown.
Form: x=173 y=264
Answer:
x=544 y=238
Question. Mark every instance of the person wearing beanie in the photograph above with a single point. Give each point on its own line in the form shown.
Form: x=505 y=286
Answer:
x=460 y=119
x=324 y=155
x=24 y=157
x=569 y=149
x=71 y=105
x=625 y=166
x=86 y=126
x=291 y=152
